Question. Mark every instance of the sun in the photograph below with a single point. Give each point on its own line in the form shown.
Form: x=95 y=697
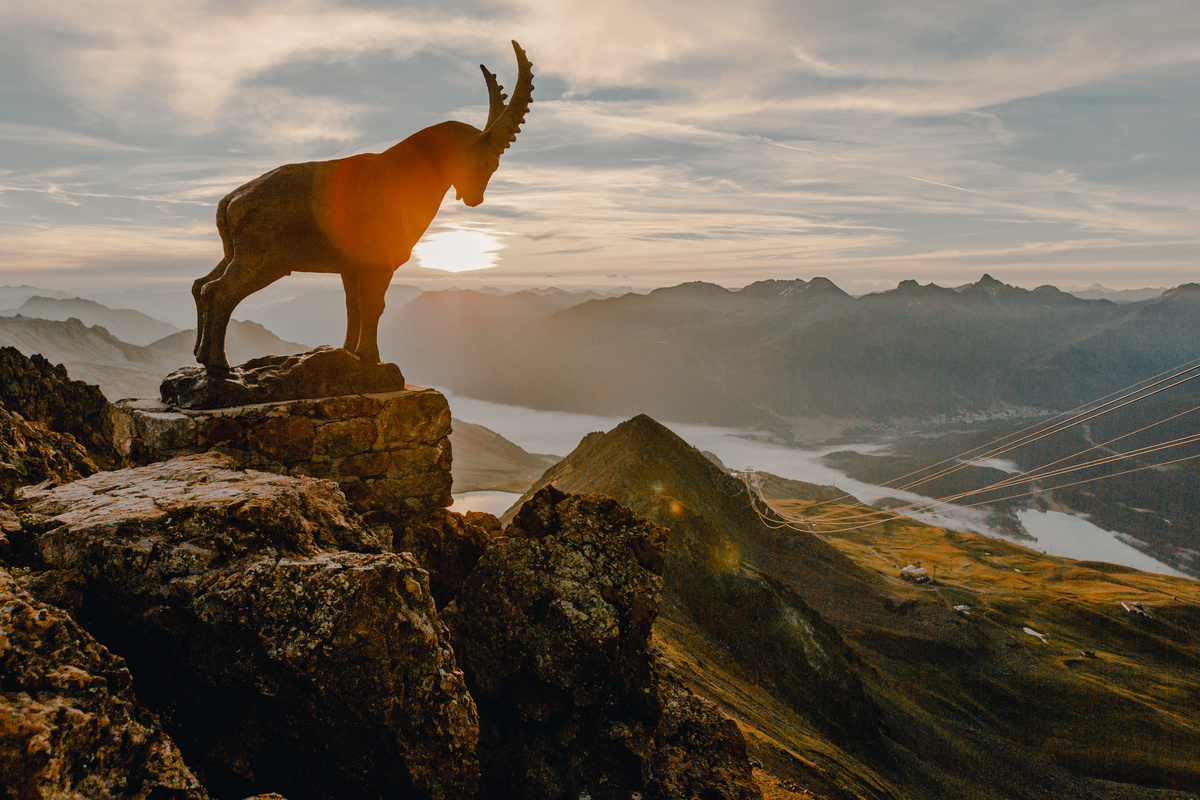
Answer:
x=458 y=250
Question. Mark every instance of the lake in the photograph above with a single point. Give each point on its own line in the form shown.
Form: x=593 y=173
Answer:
x=558 y=432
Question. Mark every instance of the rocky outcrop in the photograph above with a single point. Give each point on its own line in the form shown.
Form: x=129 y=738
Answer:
x=553 y=630
x=31 y=454
x=51 y=428
x=42 y=393
x=69 y=723
x=284 y=627
x=446 y=545
x=283 y=648
x=697 y=751
x=387 y=452
x=323 y=372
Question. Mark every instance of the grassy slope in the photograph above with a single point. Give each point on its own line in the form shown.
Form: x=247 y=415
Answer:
x=1131 y=714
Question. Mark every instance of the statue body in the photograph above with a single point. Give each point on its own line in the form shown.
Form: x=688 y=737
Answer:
x=359 y=217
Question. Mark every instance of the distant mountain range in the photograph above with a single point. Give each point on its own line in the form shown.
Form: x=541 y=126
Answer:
x=1100 y=292
x=127 y=325
x=126 y=351
x=94 y=355
x=314 y=317
x=296 y=312
x=451 y=313
x=780 y=349
x=759 y=356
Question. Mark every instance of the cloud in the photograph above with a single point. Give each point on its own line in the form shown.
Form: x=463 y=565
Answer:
x=47 y=136
x=193 y=63
x=39 y=250
x=672 y=137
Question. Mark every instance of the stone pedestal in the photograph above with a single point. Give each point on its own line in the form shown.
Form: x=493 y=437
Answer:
x=388 y=451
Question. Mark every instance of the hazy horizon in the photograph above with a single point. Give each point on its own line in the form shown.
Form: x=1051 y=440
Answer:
x=302 y=283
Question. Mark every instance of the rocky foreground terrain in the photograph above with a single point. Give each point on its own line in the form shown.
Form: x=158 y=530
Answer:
x=183 y=629
x=635 y=627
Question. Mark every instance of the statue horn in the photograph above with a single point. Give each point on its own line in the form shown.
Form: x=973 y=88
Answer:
x=502 y=130
x=496 y=96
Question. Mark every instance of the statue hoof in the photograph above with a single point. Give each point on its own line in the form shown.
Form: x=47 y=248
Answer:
x=367 y=357
x=217 y=367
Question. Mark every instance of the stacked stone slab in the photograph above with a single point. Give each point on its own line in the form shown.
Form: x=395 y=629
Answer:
x=388 y=451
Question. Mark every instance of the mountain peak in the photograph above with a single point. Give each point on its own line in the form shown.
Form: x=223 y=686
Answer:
x=1186 y=291
x=989 y=285
x=728 y=568
x=691 y=289
x=910 y=288
x=797 y=288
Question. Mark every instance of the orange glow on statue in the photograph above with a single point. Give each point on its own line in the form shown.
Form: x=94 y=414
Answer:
x=359 y=217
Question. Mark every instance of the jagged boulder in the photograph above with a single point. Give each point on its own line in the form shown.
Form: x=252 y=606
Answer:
x=69 y=723
x=553 y=630
x=283 y=648
x=697 y=751
x=41 y=392
x=31 y=454
x=51 y=428
x=447 y=545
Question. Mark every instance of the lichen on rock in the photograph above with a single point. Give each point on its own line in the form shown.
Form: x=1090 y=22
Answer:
x=42 y=393
x=284 y=648
x=554 y=630
x=69 y=723
x=445 y=544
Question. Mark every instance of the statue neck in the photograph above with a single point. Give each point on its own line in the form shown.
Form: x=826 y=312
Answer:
x=437 y=151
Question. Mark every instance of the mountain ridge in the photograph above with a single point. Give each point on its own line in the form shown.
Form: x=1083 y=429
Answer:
x=129 y=326
x=120 y=369
x=756 y=357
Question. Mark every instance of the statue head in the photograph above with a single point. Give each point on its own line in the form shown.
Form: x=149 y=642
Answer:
x=503 y=124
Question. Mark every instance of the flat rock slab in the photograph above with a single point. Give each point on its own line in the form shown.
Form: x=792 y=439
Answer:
x=140 y=497
x=323 y=372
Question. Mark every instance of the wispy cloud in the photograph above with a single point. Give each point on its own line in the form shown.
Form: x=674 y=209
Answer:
x=48 y=136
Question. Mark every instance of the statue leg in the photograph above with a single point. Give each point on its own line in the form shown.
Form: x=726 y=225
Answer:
x=372 y=286
x=350 y=283
x=202 y=304
x=221 y=297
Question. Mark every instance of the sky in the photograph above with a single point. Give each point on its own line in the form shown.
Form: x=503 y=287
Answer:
x=1039 y=141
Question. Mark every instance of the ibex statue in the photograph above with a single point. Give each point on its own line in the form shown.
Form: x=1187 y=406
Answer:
x=359 y=217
